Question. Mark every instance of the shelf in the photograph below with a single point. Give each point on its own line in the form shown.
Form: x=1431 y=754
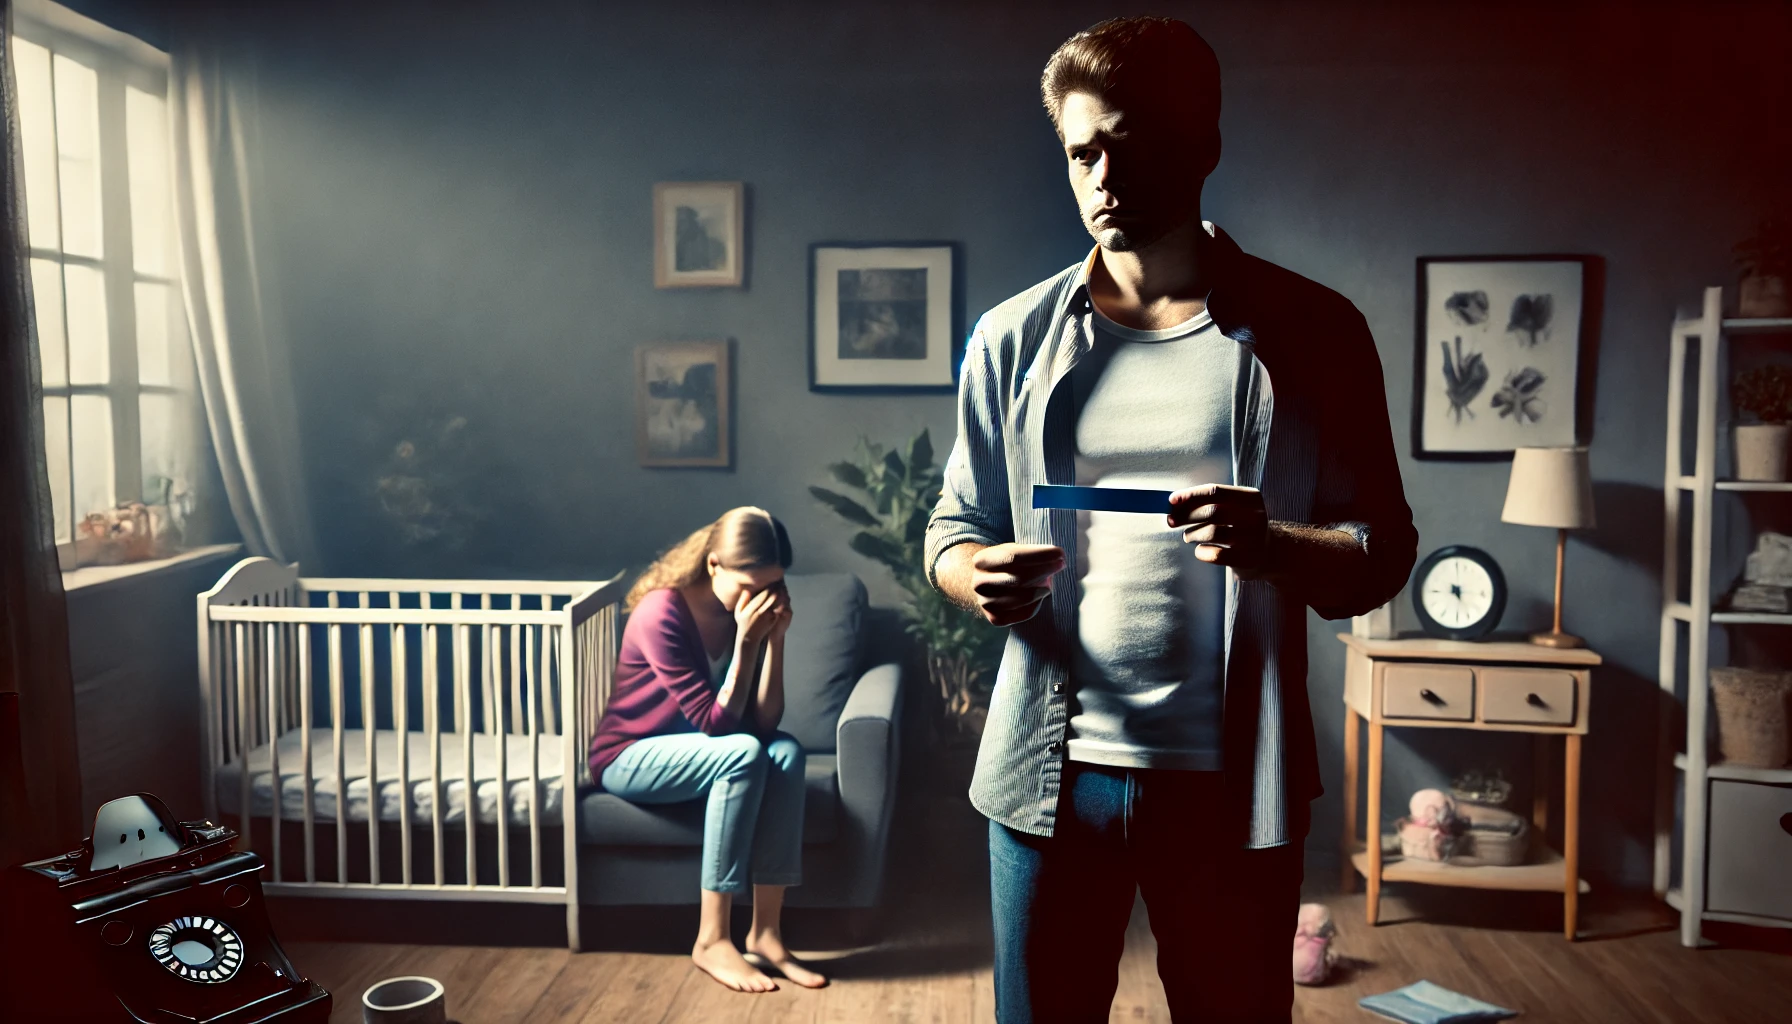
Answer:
x=1683 y=611
x=1757 y=325
x=1691 y=483
x=1546 y=875
x=1678 y=902
x=1741 y=772
x=1738 y=325
x=1759 y=618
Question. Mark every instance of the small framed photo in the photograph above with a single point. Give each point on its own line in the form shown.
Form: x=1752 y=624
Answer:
x=699 y=234
x=681 y=404
x=1501 y=360
x=884 y=317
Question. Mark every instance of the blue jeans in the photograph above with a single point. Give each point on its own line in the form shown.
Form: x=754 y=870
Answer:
x=753 y=830
x=1223 y=916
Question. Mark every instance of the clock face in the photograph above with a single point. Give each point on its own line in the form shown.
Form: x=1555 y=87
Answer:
x=1457 y=592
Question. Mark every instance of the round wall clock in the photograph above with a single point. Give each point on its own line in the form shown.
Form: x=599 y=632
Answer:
x=1459 y=593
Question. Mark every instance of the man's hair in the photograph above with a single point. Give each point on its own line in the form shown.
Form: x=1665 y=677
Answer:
x=1159 y=65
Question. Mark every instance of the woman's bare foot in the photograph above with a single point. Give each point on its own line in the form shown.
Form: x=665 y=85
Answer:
x=721 y=961
x=770 y=948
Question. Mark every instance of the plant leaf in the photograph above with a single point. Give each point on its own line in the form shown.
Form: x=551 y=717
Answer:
x=848 y=474
x=894 y=467
x=880 y=549
x=916 y=529
x=844 y=507
x=920 y=453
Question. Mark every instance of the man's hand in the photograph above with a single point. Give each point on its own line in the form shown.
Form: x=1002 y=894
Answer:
x=1227 y=525
x=1010 y=581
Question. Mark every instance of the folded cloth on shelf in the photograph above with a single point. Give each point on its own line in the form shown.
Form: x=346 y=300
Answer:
x=1483 y=818
x=1425 y=1003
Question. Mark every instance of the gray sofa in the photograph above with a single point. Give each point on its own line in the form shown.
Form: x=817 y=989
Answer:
x=846 y=714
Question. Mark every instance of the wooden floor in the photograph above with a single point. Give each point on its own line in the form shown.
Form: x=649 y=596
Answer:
x=931 y=962
x=1646 y=977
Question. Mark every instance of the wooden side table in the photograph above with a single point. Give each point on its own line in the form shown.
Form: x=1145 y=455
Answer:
x=1488 y=687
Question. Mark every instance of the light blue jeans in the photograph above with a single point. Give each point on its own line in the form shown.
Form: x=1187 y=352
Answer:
x=753 y=831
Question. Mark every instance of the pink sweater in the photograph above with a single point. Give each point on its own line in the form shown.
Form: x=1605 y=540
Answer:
x=662 y=682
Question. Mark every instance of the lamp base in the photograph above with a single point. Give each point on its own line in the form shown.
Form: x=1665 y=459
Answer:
x=1555 y=639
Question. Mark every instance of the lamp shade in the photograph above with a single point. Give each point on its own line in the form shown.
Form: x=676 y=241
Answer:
x=1550 y=487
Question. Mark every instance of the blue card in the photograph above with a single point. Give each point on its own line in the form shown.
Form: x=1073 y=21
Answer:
x=1101 y=499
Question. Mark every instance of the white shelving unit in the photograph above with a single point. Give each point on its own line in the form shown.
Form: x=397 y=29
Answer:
x=1701 y=836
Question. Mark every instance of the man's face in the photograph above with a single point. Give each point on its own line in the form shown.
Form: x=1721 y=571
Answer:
x=1136 y=178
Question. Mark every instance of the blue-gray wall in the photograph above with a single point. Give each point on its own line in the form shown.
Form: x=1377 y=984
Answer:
x=456 y=210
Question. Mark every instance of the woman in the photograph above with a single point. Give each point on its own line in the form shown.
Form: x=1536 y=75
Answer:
x=699 y=692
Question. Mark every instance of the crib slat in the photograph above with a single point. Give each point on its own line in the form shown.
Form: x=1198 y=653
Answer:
x=487 y=699
x=370 y=726
x=274 y=705
x=401 y=727
x=469 y=798
x=336 y=715
x=244 y=818
x=534 y=723
x=516 y=679
x=310 y=776
x=432 y=720
x=496 y=661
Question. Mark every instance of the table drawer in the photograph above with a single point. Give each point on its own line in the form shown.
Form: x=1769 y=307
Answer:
x=1537 y=696
x=1751 y=848
x=1428 y=691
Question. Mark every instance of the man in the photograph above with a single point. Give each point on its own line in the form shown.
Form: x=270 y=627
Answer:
x=1149 y=728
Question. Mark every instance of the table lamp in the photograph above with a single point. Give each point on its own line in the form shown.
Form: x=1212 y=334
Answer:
x=1551 y=487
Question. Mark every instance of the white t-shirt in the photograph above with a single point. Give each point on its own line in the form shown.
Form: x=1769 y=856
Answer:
x=1154 y=410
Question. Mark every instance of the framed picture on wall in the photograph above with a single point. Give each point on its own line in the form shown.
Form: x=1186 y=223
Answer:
x=681 y=404
x=1501 y=356
x=883 y=317
x=699 y=234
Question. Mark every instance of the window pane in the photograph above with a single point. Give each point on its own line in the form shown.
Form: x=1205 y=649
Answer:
x=78 y=145
x=164 y=431
x=56 y=447
x=154 y=365
x=46 y=302
x=91 y=429
x=37 y=133
x=146 y=126
x=89 y=361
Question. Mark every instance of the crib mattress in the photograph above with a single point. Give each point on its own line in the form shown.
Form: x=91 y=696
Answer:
x=419 y=800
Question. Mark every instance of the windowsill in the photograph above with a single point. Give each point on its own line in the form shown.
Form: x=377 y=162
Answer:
x=88 y=577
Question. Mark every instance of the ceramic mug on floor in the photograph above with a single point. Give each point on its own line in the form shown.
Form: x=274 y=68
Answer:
x=410 y=1000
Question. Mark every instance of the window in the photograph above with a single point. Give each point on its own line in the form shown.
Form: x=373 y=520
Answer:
x=119 y=407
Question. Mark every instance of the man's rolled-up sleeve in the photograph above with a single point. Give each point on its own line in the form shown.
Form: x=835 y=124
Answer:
x=1359 y=490
x=973 y=506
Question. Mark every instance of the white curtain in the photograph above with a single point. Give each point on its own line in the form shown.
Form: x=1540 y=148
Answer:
x=239 y=350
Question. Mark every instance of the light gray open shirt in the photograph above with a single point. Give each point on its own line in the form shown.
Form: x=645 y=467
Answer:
x=1310 y=431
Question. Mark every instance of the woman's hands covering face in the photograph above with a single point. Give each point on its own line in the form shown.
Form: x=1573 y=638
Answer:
x=758 y=615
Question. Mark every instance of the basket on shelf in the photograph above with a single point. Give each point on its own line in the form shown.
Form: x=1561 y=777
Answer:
x=1752 y=716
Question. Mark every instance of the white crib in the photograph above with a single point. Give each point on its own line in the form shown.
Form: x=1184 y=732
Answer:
x=447 y=718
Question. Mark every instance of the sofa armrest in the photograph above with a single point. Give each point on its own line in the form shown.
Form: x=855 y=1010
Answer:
x=866 y=744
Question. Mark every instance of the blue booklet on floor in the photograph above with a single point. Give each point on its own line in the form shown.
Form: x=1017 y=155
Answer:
x=1425 y=1003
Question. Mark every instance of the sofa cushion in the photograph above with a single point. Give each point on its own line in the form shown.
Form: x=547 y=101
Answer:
x=608 y=820
x=821 y=655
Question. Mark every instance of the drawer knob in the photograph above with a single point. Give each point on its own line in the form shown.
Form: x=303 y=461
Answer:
x=1535 y=701
x=1786 y=823
x=1431 y=696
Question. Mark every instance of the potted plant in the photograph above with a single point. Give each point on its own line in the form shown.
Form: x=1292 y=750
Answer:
x=1763 y=396
x=1765 y=259
x=899 y=491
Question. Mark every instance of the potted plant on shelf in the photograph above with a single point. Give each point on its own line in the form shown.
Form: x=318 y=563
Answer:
x=1765 y=259
x=899 y=491
x=1763 y=397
